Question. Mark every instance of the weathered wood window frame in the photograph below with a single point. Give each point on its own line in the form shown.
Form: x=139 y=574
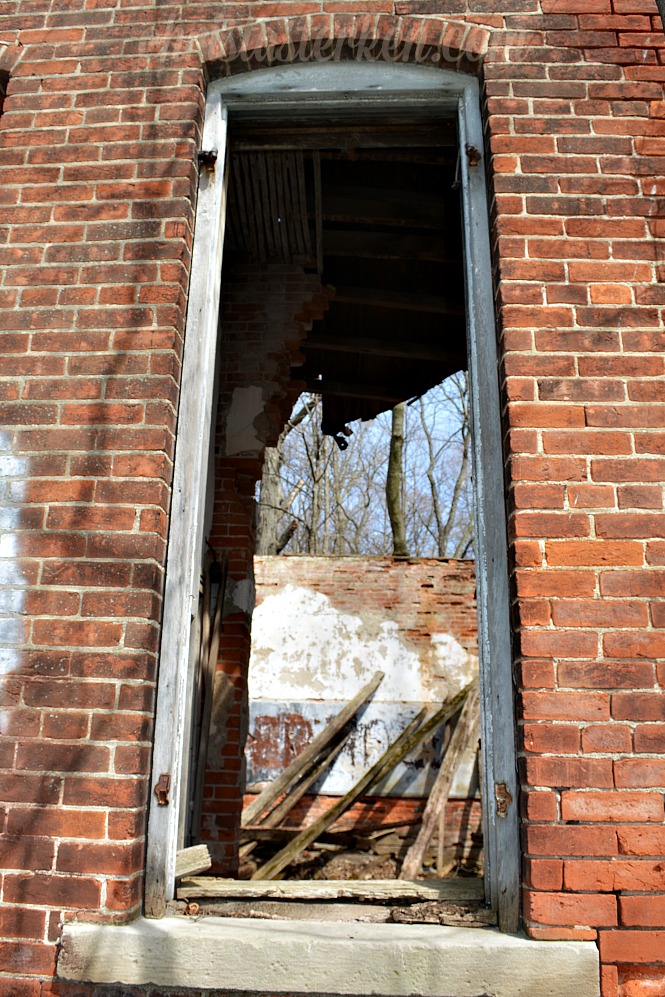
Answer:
x=291 y=90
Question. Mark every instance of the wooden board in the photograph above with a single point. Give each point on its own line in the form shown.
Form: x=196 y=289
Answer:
x=181 y=592
x=375 y=890
x=191 y=861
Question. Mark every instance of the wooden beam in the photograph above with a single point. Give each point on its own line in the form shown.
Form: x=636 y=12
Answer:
x=187 y=513
x=389 y=208
x=381 y=348
x=374 y=245
x=409 y=739
x=345 y=136
x=309 y=756
x=379 y=890
x=466 y=729
x=385 y=764
x=192 y=861
x=404 y=301
x=346 y=390
x=465 y=913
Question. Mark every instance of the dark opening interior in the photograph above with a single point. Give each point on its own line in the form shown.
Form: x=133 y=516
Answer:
x=375 y=210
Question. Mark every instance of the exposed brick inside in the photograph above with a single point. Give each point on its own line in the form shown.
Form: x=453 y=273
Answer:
x=266 y=311
x=99 y=134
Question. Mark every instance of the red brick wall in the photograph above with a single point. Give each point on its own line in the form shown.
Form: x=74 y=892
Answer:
x=98 y=142
x=424 y=596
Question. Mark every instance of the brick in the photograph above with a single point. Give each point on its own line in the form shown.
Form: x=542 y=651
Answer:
x=639 y=772
x=597 y=553
x=625 y=946
x=539 y=805
x=565 y=706
x=563 y=909
x=600 y=613
x=551 y=738
x=606 y=738
x=559 y=644
x=564 y=771
x=78 y=892
x=612 y=806
x=639 y=706
x=562 y=840
x=605 y=674
x=638 y=645
x=642 y=911
x=114 y=859
x=649 y=738
x=543 y=874
x=640 y=840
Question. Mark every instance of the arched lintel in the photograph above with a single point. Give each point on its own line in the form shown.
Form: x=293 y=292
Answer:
x=326 y=38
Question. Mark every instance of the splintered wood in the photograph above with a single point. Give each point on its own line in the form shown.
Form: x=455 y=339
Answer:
x=265 y=826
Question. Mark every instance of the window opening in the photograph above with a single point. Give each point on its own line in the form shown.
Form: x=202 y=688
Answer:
x=253 y=414
x=367 y=219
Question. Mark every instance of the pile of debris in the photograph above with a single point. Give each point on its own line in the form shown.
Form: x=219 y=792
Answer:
x=273 y=847
x=348 y=863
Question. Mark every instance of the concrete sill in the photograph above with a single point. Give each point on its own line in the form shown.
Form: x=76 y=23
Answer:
x=316 y=957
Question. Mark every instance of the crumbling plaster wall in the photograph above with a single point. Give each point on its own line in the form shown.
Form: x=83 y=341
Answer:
x=323 y=626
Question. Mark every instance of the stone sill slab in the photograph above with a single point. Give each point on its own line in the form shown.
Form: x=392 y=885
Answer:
x=315 y=957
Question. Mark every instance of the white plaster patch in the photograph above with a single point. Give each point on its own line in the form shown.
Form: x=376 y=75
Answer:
x=452 y=662
x=305 y=648
x=241 y=436
x=308 y=658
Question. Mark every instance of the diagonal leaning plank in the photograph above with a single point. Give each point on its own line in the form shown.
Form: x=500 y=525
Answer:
x=409 y=739
x=466 y=729
x=289 y=801
x=385 y=763
x=309 y=756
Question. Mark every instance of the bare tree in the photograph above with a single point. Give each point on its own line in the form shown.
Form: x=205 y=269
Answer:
x=315 y=499
x=457 y=394
x=395 y=483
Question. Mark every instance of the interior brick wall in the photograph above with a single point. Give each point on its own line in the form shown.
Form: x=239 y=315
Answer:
x=99 y=135
x=423 y=596
x=266 y=311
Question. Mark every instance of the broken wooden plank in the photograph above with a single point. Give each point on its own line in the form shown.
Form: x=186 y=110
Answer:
x=191 y=861
x=375 y=890
x=310 y=755
x=386 y=763
x=464 y=913
x=379 y=348
x=288 y=803
x=210 y=641
x=409 y=739
x=467 y=728
x=282 y=809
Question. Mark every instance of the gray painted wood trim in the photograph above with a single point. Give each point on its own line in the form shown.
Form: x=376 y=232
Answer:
x=187 y=510
x=500 y=790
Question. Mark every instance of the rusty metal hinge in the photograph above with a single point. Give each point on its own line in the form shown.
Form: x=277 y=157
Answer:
x=473 y=155
x=208 y=158
x=162 y=787
x=503 y=798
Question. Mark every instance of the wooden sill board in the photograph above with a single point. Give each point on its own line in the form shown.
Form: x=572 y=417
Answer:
x=377 y=890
